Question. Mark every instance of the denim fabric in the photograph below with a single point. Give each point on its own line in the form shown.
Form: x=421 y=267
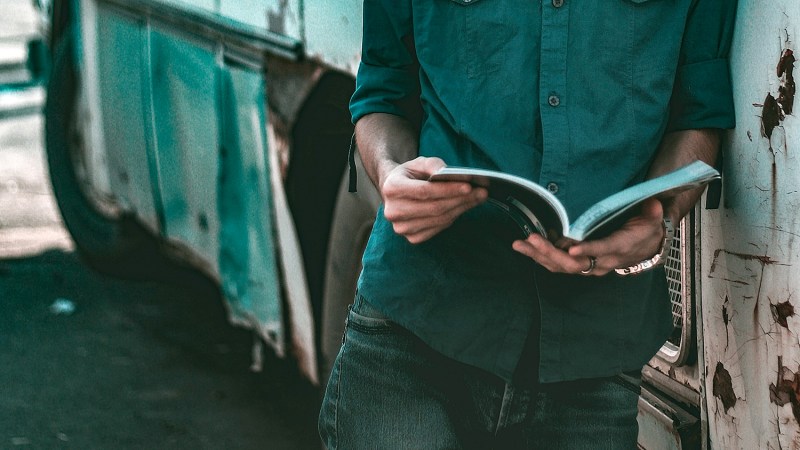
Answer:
x=388 y=390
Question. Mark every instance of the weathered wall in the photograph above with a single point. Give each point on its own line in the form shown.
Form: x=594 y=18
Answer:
x=750 y=245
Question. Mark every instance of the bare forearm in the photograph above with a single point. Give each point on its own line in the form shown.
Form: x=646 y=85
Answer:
x=678 y=149
x=385 y=141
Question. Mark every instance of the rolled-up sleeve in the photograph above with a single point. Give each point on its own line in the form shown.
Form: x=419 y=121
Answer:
x=702 y=96
x=388 y=76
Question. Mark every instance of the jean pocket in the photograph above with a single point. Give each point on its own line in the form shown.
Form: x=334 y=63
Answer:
x=366 y=319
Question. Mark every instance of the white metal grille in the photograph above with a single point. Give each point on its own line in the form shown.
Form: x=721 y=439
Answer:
x=675 y=273
x=679 y=271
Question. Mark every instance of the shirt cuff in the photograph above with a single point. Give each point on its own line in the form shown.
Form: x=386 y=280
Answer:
x=381 y=89
x=702 y=97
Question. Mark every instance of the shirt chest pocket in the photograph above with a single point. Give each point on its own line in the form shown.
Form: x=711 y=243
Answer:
x=490 y=30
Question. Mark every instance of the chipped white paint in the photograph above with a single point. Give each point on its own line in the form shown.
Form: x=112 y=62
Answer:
x=750 y=249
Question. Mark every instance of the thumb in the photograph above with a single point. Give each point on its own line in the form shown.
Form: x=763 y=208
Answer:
x=652 y=208
x=422 y=167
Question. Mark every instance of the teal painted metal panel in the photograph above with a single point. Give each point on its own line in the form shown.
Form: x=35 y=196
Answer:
x=185 y=117
x=333 y=32
x=122 y=83
x=278 y=16
x=209 y=122
x=247 y=259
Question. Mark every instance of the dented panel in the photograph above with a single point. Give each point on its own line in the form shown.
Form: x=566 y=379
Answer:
x=124 y=100
x=247 y=258
x=750 y=246
x=187 y=135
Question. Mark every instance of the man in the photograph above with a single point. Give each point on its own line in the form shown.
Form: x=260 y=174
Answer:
x=463 y=334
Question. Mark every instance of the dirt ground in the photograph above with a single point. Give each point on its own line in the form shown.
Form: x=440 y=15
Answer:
x=93 y=362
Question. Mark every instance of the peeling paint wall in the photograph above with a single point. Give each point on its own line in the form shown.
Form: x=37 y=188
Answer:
x=751 y=246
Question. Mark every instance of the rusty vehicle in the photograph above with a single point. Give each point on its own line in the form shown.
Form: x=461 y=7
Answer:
x=216 y=132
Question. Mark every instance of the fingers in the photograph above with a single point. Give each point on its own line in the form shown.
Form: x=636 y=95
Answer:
x=408 y=208
x=557 y=260
x=419 y=209
x=638 y=239
x=420 y=228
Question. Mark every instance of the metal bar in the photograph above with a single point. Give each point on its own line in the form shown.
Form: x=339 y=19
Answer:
x=20 y=111
x=672 y=387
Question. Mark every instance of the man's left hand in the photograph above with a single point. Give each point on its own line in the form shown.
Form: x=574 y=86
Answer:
x=638 y=239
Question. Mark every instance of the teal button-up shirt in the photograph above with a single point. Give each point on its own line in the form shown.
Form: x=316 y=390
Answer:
x=575 y=95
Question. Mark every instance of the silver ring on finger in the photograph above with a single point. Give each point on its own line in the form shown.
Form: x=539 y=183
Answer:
x=592 y=265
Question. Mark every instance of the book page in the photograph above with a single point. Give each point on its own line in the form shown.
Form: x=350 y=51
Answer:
x=532 y=206
x=691 y=176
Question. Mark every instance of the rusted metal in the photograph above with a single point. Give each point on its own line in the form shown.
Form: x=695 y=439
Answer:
x=723 y=387
x=750 y=248
x=781 y=312
x=787 y=88
x=771 y=116
x=786 y=390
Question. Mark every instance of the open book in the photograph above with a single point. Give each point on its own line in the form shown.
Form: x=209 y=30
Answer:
x=536 y=210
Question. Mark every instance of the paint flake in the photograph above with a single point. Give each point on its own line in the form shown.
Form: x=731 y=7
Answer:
x=781 y=312
x=723 y=387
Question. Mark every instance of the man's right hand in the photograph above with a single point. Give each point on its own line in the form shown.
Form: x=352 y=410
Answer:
x=419 y=209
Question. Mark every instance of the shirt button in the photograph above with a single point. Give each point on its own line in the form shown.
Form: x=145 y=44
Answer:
x=558 y=3
x=552 y=187
x=553 y=100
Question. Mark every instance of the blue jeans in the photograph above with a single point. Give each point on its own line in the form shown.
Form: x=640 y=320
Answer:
x=388 y=390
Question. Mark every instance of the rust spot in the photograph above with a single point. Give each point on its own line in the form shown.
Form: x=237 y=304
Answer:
x=787 y=89
x=202 y=222
x=770 y=116
x=781 y=312
x=725 y=318
x=773 y=110
x=723 y=387
x=786 y=389
x=774 y=180
x=763 y=259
